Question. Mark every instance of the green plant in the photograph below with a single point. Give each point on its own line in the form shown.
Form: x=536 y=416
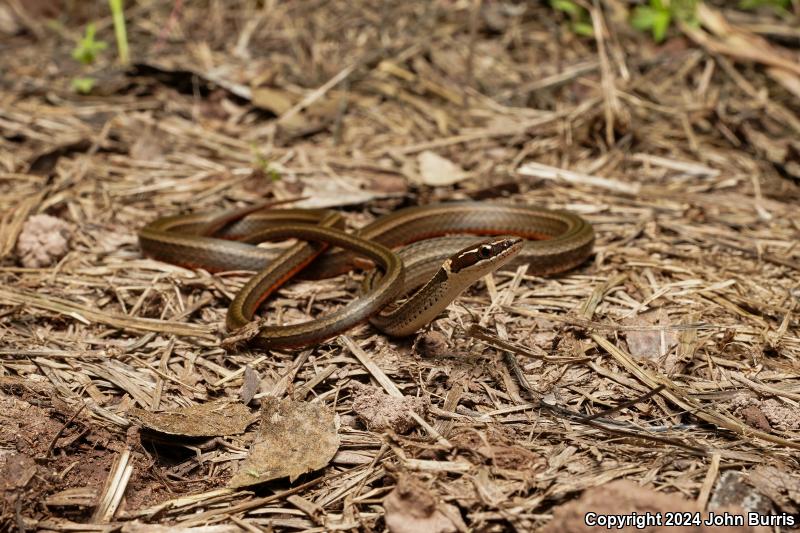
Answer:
x=87 y=49
x=121 y=35
x=83 y=85
x=782 y=7
x=659 y=14
x=264 y=164
x=581 y=22
x=273 y=173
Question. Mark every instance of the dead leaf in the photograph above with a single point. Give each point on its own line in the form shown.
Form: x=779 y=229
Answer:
x=778 y=485
x=437 y=171
x=412 y=508
x=149 y=146
x=388 y=183
x=789 y=80
x=774 y=150
x=212 y=419
x=739 y=43
x=16 y=470
x=274 y=100
x=9 y=24
x=136 y=526
x=295 y=438
x=73 y=497
x=250 y=385
x=731 y=489
x=336 y=192
x=650 y=343
x=625 y=497
x=492 y=448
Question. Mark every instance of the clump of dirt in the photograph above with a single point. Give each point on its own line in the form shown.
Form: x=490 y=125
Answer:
x=380 y=412
x=638 y=508
x=43 y=241
x=412 y=508
x=767 y=414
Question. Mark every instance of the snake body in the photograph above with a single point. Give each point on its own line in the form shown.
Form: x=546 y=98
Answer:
x=441 y=246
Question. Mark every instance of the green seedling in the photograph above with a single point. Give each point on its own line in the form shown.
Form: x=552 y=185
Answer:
x=782 y=7
x=88 y=48
x=581 y=22
x=264 y=165
x=659 y=14
x=83 y=85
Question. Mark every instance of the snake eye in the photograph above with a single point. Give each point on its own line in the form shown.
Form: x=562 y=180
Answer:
x=485 y=251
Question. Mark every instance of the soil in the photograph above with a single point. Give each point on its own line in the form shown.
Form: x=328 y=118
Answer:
x=658 y=377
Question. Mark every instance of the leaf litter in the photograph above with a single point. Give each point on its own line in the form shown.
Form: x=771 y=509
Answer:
x=667 y=362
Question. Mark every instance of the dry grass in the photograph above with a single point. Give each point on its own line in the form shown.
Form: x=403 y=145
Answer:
x=683 y=156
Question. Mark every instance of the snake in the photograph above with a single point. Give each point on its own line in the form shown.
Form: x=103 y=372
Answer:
x=442 y=248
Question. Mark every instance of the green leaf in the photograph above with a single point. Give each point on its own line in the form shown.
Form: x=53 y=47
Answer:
x=82 y=85
x=649 y=18
x=264 y=165
x=566 y=6
x=87 y=49
x=684 y=10
x=660 y=25
x=642 y=18
x=754 y=4
x=779 y=6
x=583 y=28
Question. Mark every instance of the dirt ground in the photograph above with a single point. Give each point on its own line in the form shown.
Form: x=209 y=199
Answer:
x=655 y=385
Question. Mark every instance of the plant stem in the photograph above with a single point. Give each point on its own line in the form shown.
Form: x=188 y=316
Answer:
x=118 y=15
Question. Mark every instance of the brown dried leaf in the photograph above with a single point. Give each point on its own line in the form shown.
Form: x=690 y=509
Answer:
x=624 y=497
x=780 y=486
x=437 y=171
x=732 y=490
x=204 y=420
x=650 y=343
x=275 y=100
x=73 y=497
x=295 y=438
x=337 y=191
x=16 y=470
x=149 y=147
x=250 y=385
x=775 y=150
x=412 y=508
x=9 y=23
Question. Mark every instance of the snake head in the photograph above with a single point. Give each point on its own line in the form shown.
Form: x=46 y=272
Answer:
x=486 y=256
